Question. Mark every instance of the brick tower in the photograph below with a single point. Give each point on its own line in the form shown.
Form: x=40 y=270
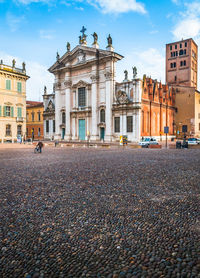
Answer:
x=182 y=63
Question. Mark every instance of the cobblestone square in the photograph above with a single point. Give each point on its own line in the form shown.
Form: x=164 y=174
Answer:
x=99 y=213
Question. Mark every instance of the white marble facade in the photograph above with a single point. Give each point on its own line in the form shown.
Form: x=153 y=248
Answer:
x=49 y=115
x=88 y=99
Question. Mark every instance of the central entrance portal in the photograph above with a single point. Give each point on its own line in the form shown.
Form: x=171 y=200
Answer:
x=82 y=129
x=102 y=133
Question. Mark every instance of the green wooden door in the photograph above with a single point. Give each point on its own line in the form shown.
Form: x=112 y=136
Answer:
x=102 y=133
x=63 y=133
x=82 y=129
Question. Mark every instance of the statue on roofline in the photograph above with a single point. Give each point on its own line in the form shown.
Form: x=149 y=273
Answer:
x=126 y=75
x=13 y=63
x=57 y=56
x=68 y=47
x=95 y=36
x=23 y=66
x=134 y=72
x=109 y=39
x=45 y=90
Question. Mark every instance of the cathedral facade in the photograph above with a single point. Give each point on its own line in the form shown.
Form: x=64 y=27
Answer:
x=89 y=103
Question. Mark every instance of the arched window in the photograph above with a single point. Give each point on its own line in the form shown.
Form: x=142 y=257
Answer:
x=63 y=117
x=102 y=116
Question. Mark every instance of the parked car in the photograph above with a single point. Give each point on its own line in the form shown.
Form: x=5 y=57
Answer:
x=148 y=141
x=193 y=141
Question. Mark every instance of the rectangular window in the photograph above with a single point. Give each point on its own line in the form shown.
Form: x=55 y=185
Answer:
x=181 y=52
x=39 y=116
x=181 y=64
x=174 y=65
x=170 y=47
x=171 y=65
x=184 y=52
x=175 y=46
x=8 y=111
x=19 y=130
x=184 y=63
x=180 y=45
x=175 y=78
x=47 y=126
x=19 y=87
x=8 y=130
x=27 y=117
x=54 y=126
x=117 y=124
x=81 y=97
x=176 y=53
x=33 y=116
x=185 y=44
x=129 y=121
x=171 y=54
x=8 y=84
x=19 y=112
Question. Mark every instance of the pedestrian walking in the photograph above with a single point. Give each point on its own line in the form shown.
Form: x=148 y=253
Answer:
x=40 y=145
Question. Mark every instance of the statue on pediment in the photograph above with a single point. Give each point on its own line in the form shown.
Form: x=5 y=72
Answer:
x=45 y=90
x=68 y=47
x=95 y=36
x=57 y=56
x=23 y=66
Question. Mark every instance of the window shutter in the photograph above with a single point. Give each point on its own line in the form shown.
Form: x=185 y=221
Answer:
x=4 y=111
x=12 y=111
x=0 y=110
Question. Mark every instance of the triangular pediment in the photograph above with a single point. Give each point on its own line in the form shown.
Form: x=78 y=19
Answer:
x=80 y=55
x=80 y=84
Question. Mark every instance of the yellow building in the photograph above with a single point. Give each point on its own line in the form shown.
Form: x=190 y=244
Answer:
x=34 y=120
x=12 y=102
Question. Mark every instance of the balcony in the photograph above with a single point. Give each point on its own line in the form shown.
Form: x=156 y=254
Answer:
x=19 y=120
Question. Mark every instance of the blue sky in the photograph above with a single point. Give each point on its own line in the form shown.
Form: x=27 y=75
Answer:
x=34 y=30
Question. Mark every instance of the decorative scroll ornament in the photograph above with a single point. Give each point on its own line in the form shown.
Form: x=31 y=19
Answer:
x=122 y=97
x=68 y=83
x=57 y=85
x=94 y=78
x=108 y=75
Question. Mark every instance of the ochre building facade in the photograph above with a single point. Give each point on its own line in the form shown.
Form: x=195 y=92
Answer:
x=34 y=117
x=12 y=102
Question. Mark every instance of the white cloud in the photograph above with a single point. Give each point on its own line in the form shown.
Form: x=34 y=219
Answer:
x=13 y=21
x=118 y=6
x=105 y=6
x=27 y=2
x=150 y=62
x=47 y=34
x=39 y=76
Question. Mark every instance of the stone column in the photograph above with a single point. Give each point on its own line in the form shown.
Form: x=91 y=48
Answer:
x=67 y=84
x=94 y=94
x=57 y=111
x=124 y=132
x=109 y=97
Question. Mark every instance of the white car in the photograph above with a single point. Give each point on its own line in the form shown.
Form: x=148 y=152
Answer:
x=148 y=141
x=193 y=141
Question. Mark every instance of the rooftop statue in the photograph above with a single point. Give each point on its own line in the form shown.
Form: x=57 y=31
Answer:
x=57 y=56
x=13 y=63
x=23 y=66
x=126 y=75
x=109 y=39
x=134 y=72
x=82 y=39
x=45 y=90
x=68 y=47
x=95 y=36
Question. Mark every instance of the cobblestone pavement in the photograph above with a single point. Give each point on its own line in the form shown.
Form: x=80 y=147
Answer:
x=99 y=213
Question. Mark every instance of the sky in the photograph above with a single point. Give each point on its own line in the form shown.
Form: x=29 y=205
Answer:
x=32 y=31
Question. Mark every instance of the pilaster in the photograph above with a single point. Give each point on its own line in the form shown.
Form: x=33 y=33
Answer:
x=67 y=85
x=94 y=95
